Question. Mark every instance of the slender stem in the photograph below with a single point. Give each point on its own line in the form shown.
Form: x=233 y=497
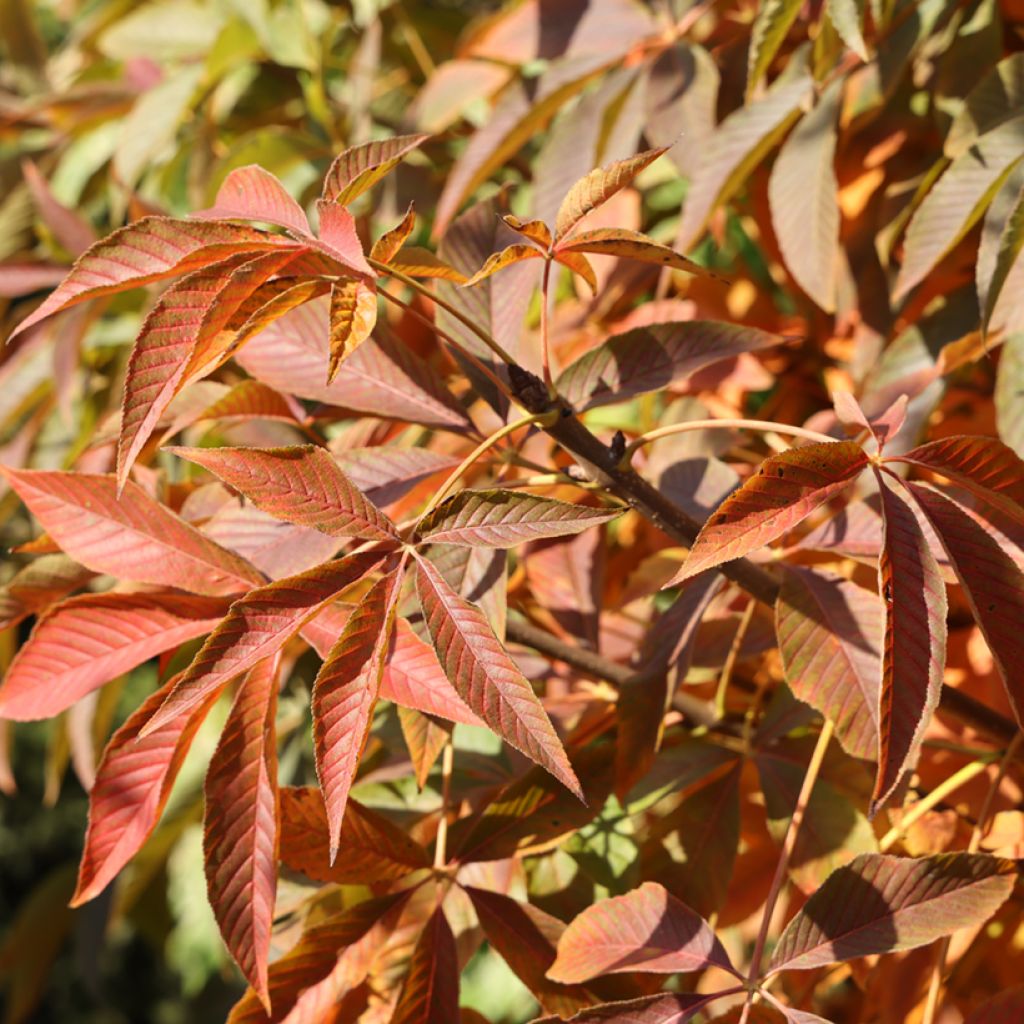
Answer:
x=411 y=282
x=466 y=464
x=545 y=351
x=935 y=984
x=441 y=843
x=788 y=845
x=924 y=805
x=730 y=424
x=732 y=656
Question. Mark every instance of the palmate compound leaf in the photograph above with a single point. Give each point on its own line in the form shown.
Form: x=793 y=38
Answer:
x=992 y=581
x=151 y=249
x=253 y=193
x=132 y=537
x=353 y=316
x=502 y=519
x=830 y=641
x=372 y=848
x=984 y=465
x=486 y=677
x=598 y=187
x=914 y=642
x=344 y=696
x=882 y=904
x=258 y=626
x=240 y=828
x=430 y=994
x=786 y=489
x=133 y=782
x=660 y=1008
x=300 y=484
x=186 y=320
x=361 y=167
x=653 y=357
x=85 y=642
x=647 y=929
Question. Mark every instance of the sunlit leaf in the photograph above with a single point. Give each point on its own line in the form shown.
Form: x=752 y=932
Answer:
x=360 y=168
x=485 y=676
x=301 y=484
x=785 y=490
x=830 y=640
x=415 y=261
x=772 y=24
x=240 y=827
x=847 y=17
x=1011 y=242
x=646 y=930
x=499 y=260
x=630 y=245
x=535 y=230
x=86 y=641
x=656 y=1009
x=1009 y=392
x=353 y=317
x=995 y=99
x=880 y=904
x=914 y=646
x=386 y=247
x=132 y=537
x=253 y=193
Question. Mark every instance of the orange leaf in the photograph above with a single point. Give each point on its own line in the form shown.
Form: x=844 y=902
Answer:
x=630 y=245
x=353 y=317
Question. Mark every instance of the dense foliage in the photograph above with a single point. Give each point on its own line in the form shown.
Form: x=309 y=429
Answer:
x=554 y=473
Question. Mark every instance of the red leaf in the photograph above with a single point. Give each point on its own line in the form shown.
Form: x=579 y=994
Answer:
x=999 y=1009
x=629 y=245
x=914 y=649
x=72 y=230
x=656 y=1009
x=132 y=785
x=340 y=239
x=984 y=465
x=344 y=695
x=86 y=641
x=525 y=938
x=252 y=193
x=37 y=585
x=431 y=991
x=486 y=678
x=830 y=640
x=992 y=581
x=187 y=317
x=785 y=490
x=131 y=537
x=414 y=678
x=881 y=904
x=240 y=825
x=300 y=484
x=258 y=626
x=148 y=250
x=502 y=519
x=646 y=930
x=372 y=849
x=361 y=167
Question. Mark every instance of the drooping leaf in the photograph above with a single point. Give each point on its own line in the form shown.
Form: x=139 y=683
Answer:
x=803 y=195
x=386 y=247
x=630 y=245
x=132 y=537
x=771 y=26
x=185 y=322
x=654 y=357
x=430 y=994
x=300 y=484
x=847 y=17
x=148 y=250
x=240 y=829
x=372 y=849
x=786 y=489
x=86 y=641
x=486 y=678
x=914 y=646
x=499 y=260
x=360 y=168
x=132 y=785
x=984 y=465
x=579 y=264
x=992 y=581
x=881 y=904
x=830 y=640
x=253 y=193
x=344 y=695
x=502 y=519
x=656 y=1009
x=353 y=316
x=598 y=187
x=258 y=626
x=526 y=939
x=646 y=930
x=956 y=201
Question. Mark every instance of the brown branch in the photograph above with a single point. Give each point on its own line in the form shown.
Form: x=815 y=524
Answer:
x=606 y=466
